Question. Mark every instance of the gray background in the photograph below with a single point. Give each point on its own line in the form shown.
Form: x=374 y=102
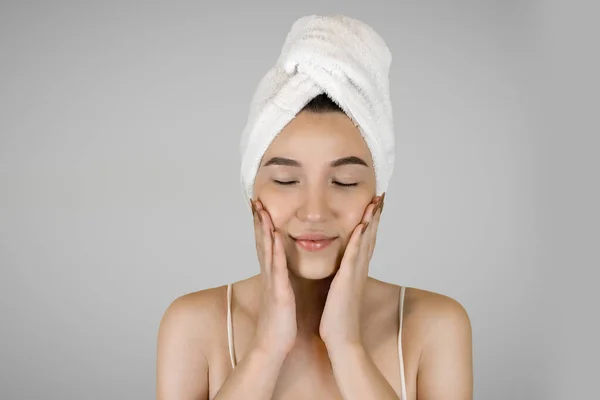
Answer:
x=119 y=180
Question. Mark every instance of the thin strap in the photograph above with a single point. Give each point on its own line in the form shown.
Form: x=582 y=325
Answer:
x=402 y=379
x=230 y=326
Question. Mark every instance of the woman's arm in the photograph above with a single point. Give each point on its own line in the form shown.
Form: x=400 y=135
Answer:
x=182 y=368
x=446 y=363
x=253 y=378
x=357 y=376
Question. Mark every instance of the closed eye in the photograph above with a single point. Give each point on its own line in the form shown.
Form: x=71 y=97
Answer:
x=345 y=184
x=288 y=183
x=284 y=182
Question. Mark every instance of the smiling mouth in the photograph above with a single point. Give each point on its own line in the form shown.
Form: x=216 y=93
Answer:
x=313 y=243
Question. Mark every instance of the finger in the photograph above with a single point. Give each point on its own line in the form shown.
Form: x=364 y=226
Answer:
x=376 y=209
x=262 y=238
x=370 y=235
x=270 y=229
x=280 y=271
x=257 y=228
x=353 y=249
x=278 y=253
x=368 y=211
x=376 y=219
x=267 y=241
x=266 y=215
x=371 y=209
x=374 y=222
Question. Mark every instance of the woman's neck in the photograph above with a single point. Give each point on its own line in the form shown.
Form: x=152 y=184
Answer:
x=310 y=298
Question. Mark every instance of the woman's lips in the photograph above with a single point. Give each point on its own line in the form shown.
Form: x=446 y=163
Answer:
x=313 y=242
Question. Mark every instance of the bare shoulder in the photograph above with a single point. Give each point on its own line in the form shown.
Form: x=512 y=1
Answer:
x=185 y=335
x=436 y=308
x=436 y=319
x=445 y=366
x=438 y=339
x=431 y=319
x=192 y=312
x=430 y=308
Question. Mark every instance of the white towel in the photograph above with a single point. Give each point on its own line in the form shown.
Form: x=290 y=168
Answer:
x=337 y=55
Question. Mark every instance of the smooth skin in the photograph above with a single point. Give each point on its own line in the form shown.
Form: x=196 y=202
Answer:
x=314 y=324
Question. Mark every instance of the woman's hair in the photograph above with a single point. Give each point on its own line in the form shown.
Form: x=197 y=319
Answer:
x=322 y=104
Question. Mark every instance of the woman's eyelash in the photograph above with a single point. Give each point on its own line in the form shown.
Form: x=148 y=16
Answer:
x=284 y=182
x=288 y=183
x=345 y=184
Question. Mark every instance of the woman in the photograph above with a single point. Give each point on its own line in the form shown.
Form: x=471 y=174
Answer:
x=312 y=324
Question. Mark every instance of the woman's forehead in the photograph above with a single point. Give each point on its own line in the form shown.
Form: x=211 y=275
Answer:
x=329 y=135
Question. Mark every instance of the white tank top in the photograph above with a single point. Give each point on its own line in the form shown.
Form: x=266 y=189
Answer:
x=400 y=359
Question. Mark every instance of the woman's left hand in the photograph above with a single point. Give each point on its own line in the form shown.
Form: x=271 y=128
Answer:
x=340 y=322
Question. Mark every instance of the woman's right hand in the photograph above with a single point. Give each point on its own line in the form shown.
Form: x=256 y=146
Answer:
x=276 y=328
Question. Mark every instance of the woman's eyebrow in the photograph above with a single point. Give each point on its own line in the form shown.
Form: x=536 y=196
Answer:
x=282 y=161
x=351 y=160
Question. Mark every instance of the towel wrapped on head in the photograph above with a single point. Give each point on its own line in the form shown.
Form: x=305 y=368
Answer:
x=336 y=55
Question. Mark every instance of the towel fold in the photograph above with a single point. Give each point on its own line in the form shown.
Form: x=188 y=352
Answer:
x=337 y=55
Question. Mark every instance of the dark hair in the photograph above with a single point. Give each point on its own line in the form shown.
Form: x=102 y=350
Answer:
x=322 y=104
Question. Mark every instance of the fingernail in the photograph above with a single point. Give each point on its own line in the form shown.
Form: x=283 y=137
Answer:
x=252 y=207
x=364 y=228
x=377 y=206
x=259 y=216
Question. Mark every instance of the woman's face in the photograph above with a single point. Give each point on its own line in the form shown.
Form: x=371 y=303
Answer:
x=316 y=180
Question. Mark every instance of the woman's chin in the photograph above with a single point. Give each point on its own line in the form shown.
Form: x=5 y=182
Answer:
x=314 y=271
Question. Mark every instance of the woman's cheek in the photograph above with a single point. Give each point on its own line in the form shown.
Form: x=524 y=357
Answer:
x=352 y=208
x=276 y=203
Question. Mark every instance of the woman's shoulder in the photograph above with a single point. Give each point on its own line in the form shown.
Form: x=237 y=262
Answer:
x=430 y=310
x=434 y=304
x=441 y=327
x=206 y=308
x=190 y=332
x=200 y=301
x=196 y=314
x=438 y=328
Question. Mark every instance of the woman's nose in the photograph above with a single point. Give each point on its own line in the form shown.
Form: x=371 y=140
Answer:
x=314 y=206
